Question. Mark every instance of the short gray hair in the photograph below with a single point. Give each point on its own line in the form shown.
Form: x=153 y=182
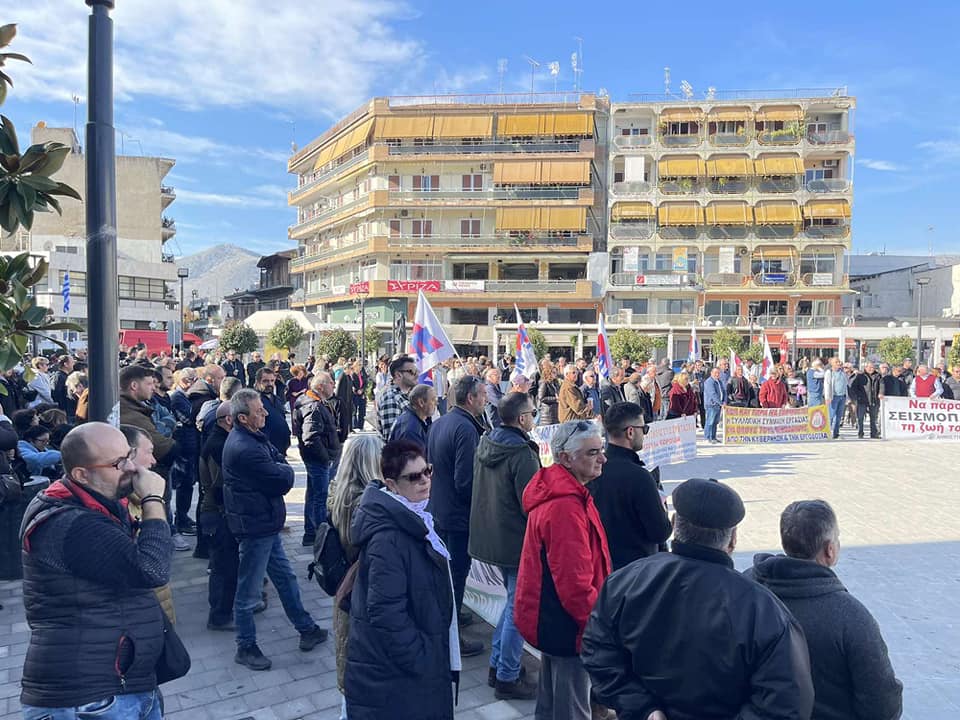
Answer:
x=420 y=393
x=805 y=527
x=229 y=387
x=318 y=380
x=240 y=403
x=570 y=436
x=464 y=387
x=685 y=531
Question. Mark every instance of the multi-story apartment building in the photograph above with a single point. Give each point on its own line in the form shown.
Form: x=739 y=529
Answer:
x=480 y=202
x=146 y=273
x=730 y=212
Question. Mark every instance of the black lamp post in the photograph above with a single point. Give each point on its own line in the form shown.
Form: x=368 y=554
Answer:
x=182 y=273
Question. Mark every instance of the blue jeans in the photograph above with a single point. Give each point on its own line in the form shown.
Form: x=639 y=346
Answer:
x=713 y=420
x=506 y=650
x=837 y=406
x=136 y=706
x=315 y=502
x=259 y=556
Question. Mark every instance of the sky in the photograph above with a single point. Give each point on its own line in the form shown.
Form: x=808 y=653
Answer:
x=225 y=86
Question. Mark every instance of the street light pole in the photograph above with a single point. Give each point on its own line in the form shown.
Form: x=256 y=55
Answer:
x=182 y=273
x=796 y=306
x=921 y=282
x=103 y=310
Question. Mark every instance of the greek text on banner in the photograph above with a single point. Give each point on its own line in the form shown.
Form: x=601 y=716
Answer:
x=749 y=426
x=907 y=418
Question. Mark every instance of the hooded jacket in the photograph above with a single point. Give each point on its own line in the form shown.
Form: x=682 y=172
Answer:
x=563 y=564
x=852 y=675
x=505 y=462
x=401 y=607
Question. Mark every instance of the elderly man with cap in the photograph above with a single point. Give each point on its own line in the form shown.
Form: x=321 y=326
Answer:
x=683 y=635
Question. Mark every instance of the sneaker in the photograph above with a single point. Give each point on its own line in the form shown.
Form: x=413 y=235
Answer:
x=221 y=627
x=260 y=607
x=492 y=676
x=518 y=689
x=180 y=543
x=470 y=648
x=310 y=639
x=308 y=540
x=252 y=658
x=187 y=527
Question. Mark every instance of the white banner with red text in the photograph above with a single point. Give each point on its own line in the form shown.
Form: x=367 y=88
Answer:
x=907 y=418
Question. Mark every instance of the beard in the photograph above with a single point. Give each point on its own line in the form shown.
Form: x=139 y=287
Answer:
x=125 y=485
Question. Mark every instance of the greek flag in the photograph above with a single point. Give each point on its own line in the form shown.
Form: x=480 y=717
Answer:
x=65 y=291
x=526 y=357
x=604 y=361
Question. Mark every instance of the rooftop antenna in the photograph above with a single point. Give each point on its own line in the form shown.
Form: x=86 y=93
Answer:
x=687 y=89
x=666 y=81
x=579 y=61
x=576 y=71
x=76 y=104
x=711 y=93
x=533 y=70
x=501 y=71
x=554 y=68
x=930 y=229
x=293 y=135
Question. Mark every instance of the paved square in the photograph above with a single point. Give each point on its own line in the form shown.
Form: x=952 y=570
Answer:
x=900 y=533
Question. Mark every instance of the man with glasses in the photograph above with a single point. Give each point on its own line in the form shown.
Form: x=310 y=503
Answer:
x=96 y=629
x=505 y=462
x=395 y=398
x=626 y=494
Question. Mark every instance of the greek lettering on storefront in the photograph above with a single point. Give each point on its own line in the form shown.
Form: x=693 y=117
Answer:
x=907 y=418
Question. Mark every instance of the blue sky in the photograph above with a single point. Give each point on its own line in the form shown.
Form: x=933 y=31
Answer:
x=224 y=86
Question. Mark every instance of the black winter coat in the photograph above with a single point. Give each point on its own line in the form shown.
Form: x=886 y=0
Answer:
x=865 y=389
x=398 y=656
x=547 y=402
x=255 y=479
x=276 y=428
x=315 y=428
x=451 y=447
x=685 y=633
x=852 y=675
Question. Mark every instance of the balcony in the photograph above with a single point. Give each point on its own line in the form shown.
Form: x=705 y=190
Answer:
x=167 y=258
x=653 y=279
x=304 y=260
x=632 y=142
x=786 y=136
x=691 y=140
x=829 y=137
x=778 y=184
x=316 y=219
x=680 y=232
x=579 y=241
x=728 y=185
x=681 y=186
x=827 y=186
x=728 y=232
x=775 y=279
x=777 y=232
x=489 y=148
x=168 y=228
x=725 y=280
x=318 y=179
x=729 y=139
x=167 y=195
x=632 y=187
x=655 y=318
x=504 y=193
x=531 y=286
x=827 y=279
x=635 y=230
x=820 y=232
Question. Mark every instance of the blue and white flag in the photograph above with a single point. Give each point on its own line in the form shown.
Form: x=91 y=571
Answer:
x=694 y=354
x=65 y=291
x=604 y=361
x=429 y=344
x=526 y=357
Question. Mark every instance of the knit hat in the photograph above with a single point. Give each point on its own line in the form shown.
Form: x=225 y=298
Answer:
x=708 y=504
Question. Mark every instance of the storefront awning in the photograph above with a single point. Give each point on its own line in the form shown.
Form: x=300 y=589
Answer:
x=463 y=126
x=681 y=167
x=820 y=209
x=733 y=114
x=773 y=253
x=632 y=211
x=516 y=173
x=563 y=218
x=411 y=126
x=777 y=213
x=510 y=125
x=680 y=214
x=791 y=113
x=729 y=166
x=565 y=172
x=779 y=165
x=681 y=115
x=732 y=213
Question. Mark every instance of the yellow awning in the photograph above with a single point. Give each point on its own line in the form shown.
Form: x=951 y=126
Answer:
x=782 y=113
x=353 y=139
x=779 y=165
x=511 y=125
x=632 y=211
x=410 y=126
x=773 y=253
x=732 y=213
x=568 y=124
x=729 y=166
x=827 y=209
x=325 y=155
x=526 y=218
x=516 y=173
x=563 y=218
x=565 y=172
x=681 y=167
x=681 y=115
x=777 y=213
x=463 y=126
x=680 y=214
x=730 y=113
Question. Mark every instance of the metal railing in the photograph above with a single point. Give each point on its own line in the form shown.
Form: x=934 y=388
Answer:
x=486 y=148
x=543 y=98
x=168 y=190
x=682 y=186
x=631 y=142
x=779 y=321
x=818 y=232
x=654 y=318
x=319 y=178
x=632 y=187
x=828 y=185
x=725 y=279
x=726 y=95
x=728 y=232
x=680 y=232
x=830 y=137
x=325 y=253
x=730 y=139
x=681 y=140
x=776 y=232
x=640 y=230
x=528 y=286
x=779 y=137
x=783 y=279
x=684 y=280
x=474 y=241
x=781 y=184
x=727 y=186
x=815 y=279
x=326 y=212
x=507 y=193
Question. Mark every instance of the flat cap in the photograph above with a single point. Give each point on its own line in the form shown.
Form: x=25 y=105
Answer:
x=708 y=504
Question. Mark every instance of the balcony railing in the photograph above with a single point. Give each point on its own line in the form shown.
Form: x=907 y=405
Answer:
x=528 y=286
x=781 y=321
x=655 y=318
x=632 y=187
x=828 y=186
x=728 y=186
x=681 y=186
x=325 y=253
x=328 y=211
x=729 y=139
x=826 y=279
x=829 y=137
x=326 y=175
x=779 y=137
x=631 y=142
x=168 y=223
x=776 y=232
x=680 y=232
x=775 y=279
x=625 y=231
x=725 y=279
x=654 y=278
x=474 y=241
x=487 y=148
x=729 y=232
x=506 y=193
x=780 y=184
x=168 y=191
x=167 y=258
x=817 y=232
x=681 y=140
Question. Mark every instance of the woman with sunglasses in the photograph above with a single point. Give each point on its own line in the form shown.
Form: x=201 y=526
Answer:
x=404 y=650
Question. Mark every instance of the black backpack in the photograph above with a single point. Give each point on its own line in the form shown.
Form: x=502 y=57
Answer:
x=329 y=564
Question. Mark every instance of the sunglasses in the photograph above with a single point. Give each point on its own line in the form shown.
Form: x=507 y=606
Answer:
x=643 y=428
x=418 y=476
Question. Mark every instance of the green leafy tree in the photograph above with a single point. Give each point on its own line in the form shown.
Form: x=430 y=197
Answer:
x=539 y=342
x=632 y=344
x=286 y=334
x=373 y=340
x=754 y=352
x=336 y=343
x=240 y=338
x=894 y=349
x=724 y=340
x=953 y=357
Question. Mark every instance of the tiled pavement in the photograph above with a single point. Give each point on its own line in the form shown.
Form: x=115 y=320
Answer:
x=897 y=503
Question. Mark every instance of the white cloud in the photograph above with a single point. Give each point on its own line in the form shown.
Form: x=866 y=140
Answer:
x=168 y=143
x=192 y=197
x=945 y=149
x=321 y=58
x=881 y=165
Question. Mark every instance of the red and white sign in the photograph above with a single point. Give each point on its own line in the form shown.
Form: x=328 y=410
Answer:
x=658 y=279
x=463 y=285
x=412 y=286
x=907 y=418
x=358 y=288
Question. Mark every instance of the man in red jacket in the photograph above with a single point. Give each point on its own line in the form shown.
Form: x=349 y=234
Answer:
x=773 y=392
x=563 y=564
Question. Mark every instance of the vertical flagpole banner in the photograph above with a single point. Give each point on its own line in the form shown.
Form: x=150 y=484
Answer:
x=526 y=357
x=65 y=291
x=604 y=361
x=694 y=353
x=429 y=344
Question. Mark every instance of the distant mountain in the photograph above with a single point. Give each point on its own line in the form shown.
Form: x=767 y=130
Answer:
x=219 y=271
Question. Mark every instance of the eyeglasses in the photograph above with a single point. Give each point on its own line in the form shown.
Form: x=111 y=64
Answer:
x=116 y=464
x=418 y=476
x=409 y=371
x=532 y=413
x=644 y=428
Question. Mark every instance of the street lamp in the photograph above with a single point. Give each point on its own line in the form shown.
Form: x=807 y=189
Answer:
x=921 y=281
x=359 y=301
x=796 y=305
x=182 y=273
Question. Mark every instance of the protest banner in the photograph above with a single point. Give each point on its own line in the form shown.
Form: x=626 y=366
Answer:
x=907 y=418
x=749 y=426
x=669 y=442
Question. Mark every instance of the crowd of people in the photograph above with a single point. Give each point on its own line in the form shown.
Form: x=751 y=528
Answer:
x=437 y=476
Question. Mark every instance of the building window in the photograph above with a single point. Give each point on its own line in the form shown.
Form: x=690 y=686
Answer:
x=818 y=263
x=675 y=306
x=393 y=183
x=394 y=228
x=426 y=183
x=639 y=306
x=663 y=261
x=756 y=308
x=470 y=228
x=423 y=270
x=368 y=270
x=472 y=182
x=469 y=316
x=471 y=271
x=566 y=271
x=721 y=308
x=78 y=282
x=422 y=228
x=423 y=142
x=683 y=128
x=140 y=288
x=818 y=174
x=519 y=271
x=728 y=127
